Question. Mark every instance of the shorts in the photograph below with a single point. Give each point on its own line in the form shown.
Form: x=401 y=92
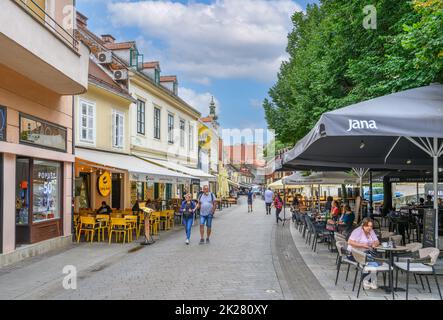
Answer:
x=250 y=202
x=206 y=220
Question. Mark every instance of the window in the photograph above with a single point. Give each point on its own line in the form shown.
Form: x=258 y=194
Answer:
x=46 y=191
x=157 y=123
x=87 y=122
x=118 y=121
x=182 y=133
x=140 y=117
x=157 y=76
x=191 y=137
x=170 y=128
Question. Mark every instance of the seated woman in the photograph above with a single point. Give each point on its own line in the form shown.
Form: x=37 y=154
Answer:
x=347 y=217
x=335 y=211
x=365 y=239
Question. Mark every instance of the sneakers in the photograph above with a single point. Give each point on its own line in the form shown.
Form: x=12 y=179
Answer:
x=207 y=241
x=366 y=285
x=369 y=285
x=202 y=241
x=187 y=241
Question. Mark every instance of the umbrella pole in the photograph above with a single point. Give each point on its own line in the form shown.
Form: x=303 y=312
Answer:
x=319 y=199
x=436 y=189
x=284 y=203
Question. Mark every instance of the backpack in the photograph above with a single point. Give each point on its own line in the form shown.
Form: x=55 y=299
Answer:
x=201 y=195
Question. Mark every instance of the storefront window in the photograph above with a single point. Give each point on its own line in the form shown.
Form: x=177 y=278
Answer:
x=22 y=192
x=46 y=190
x=140 y=191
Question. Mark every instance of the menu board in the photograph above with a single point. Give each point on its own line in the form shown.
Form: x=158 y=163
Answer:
x=429 y=223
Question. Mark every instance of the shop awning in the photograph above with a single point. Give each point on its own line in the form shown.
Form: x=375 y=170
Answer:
x=199 y=174
x=232 y=183
x=139 y=170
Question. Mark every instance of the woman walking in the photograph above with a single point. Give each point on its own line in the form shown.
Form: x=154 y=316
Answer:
x=278 y=204
x=187 y=210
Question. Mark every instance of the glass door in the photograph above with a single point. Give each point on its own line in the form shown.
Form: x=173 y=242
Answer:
x=22 y=201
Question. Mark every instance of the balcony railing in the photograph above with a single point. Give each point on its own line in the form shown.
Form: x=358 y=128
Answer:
x=40 y=14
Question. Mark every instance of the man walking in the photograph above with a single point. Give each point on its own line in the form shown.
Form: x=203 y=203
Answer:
x=207 y=206
x=250 y=197
x=269 y=198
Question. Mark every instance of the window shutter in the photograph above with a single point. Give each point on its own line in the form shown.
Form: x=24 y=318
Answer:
x=114 y=128
x=120 y=130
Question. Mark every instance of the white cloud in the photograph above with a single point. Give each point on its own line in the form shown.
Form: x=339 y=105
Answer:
x=256 y=103
x=199 y=101
x=224 y=39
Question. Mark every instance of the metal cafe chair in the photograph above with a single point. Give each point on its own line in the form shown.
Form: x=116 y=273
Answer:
x=422 y=264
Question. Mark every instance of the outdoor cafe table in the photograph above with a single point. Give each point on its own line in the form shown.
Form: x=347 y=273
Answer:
x=391 y=252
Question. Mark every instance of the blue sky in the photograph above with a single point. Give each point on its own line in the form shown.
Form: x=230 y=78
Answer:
x=231 y=49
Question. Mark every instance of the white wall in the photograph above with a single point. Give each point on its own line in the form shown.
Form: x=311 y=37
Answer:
x=148 y=141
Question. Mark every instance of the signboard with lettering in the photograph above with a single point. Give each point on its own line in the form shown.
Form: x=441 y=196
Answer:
x=104 y=184
x=195 y=182
x=429 y=223
x=41 y=133
x=3 y=123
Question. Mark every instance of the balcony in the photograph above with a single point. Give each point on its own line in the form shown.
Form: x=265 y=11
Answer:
x=34 y=44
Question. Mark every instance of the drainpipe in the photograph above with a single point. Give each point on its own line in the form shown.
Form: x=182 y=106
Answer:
x=435 y=156
x=73 y=171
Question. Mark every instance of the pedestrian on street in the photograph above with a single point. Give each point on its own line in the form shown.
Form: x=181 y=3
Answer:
x=269 y=198
x=250 y=198
x=207 y=206
x=278 y=204
x=187 y=210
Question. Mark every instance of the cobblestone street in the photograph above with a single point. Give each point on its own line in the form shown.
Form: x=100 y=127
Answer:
x=248 y=258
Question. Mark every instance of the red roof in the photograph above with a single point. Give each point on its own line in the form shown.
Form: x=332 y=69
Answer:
x=120 y=46
x=151 y=65
x=168 y=79
x=206 y=119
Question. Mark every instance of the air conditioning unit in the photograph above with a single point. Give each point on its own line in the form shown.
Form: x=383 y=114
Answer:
x=105 y=57
x=121 y=74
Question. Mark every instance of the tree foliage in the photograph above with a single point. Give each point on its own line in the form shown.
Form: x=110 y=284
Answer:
x=334 y=61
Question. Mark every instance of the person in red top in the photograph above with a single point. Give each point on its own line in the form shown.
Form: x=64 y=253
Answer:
x=335 y=211
x=278 y=204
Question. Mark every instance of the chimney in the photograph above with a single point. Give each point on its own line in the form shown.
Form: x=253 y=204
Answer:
x=82 y=20
x=107 y=38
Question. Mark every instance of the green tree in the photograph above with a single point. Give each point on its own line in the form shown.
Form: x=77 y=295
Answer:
x=334 y=61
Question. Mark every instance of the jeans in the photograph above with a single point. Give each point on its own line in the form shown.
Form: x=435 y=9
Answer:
x=277 y=213
x=188 y=226
x=268 y=208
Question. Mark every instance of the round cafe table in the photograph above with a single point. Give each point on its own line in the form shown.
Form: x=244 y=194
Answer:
x=391 y=251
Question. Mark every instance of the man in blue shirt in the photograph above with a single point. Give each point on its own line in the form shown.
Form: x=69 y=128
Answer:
x=207 y=206
x=250 y=197
x=269 y=198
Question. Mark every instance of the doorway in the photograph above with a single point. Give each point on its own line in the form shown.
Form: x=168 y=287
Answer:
x=1 y=203
x=116 y=191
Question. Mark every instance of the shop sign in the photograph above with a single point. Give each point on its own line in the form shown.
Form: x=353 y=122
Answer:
x=39 y=132
x=104 y=184
x=195 y=182
x=2 y=123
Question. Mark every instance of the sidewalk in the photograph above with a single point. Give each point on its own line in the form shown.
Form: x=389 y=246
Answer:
x=322 y=264
x=37 y=275
x=41 y=277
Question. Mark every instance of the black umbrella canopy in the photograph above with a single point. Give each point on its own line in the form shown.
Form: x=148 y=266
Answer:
x=376 y=134
x=402 y=130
